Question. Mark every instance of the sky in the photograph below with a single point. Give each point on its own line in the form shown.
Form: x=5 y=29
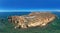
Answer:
x=21 y=5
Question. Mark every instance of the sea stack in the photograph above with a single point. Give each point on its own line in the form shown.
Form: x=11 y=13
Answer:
x=33 y=19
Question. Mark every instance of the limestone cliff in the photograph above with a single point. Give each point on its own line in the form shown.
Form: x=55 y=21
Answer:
x=32 y=20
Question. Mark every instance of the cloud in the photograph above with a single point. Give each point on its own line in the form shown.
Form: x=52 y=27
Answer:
x=41 y=10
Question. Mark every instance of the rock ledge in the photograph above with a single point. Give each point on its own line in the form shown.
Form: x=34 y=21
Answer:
x=32 y=20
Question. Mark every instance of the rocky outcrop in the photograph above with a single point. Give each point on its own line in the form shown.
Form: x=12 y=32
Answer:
x=32 y=20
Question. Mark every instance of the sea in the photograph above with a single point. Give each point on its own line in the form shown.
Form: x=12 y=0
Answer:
x=7 y=27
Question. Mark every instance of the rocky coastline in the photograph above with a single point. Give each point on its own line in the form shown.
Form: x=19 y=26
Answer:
x=33 y=19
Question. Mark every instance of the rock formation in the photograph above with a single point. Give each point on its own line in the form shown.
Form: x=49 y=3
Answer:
x=32 y=20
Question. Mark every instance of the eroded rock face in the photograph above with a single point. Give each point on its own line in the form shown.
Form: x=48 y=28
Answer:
x=32 y=20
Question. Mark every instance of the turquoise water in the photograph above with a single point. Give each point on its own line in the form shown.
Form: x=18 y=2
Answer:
x=7 y=27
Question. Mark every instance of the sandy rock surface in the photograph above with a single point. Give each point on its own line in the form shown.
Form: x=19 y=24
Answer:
x=32 y=20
